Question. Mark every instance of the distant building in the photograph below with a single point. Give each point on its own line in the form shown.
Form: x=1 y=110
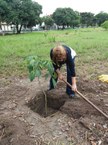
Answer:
x=5 y=27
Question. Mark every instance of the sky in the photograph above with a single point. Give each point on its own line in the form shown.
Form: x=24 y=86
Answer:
x=93 y=6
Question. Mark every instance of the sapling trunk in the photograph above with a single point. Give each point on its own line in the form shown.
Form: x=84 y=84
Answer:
x=46 y=111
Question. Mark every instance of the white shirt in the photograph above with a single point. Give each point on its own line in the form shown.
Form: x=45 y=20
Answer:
x=73 y=53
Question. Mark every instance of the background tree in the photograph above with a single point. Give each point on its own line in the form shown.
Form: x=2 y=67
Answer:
x=20 y=13
x=76 y=21
x=101 y=17
x=65 y=17
x=48 y=21
x=87 y=19
x=3 y=11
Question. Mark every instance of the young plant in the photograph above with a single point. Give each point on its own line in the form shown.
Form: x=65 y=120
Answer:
x=36 y=65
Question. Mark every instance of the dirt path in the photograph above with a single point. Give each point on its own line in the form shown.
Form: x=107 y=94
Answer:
x=69 y=121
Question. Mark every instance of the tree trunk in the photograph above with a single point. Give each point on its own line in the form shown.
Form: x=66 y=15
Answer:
x=18 y=29
x=63 y=27
x=0 y=24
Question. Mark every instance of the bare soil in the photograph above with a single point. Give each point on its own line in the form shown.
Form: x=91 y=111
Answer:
x=24 y=119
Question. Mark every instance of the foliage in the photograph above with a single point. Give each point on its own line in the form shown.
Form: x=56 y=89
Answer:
x=65 y=17
x=36 y=65
x=48 y=21
x=86 y=18
x=20 y=13
x=105 y=25
x=101 y=18
x=3 y=10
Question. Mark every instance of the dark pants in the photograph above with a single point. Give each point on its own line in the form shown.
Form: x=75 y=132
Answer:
x=69 y=80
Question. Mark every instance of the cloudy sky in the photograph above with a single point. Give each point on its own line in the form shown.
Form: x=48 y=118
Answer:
x=94 y=6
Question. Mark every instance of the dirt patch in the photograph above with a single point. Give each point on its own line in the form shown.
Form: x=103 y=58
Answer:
x=69 y=121
x=12 y=132
x=54 y=100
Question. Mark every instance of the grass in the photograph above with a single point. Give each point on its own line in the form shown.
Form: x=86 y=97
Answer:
x=91 y=44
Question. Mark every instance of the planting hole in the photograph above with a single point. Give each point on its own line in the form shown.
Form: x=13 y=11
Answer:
x=45 y=108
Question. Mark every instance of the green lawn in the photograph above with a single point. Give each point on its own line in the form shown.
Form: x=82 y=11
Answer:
x=91 y=44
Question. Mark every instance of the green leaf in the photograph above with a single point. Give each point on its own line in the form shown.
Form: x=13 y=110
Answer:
x=44 y=63
x=38 y=73
x=55 y=75
x=30 y=68
x=32 y=62
x=32 y=76
x=50 y=69
x=54 y=82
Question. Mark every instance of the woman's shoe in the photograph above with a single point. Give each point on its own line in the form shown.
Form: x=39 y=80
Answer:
x=72 y=96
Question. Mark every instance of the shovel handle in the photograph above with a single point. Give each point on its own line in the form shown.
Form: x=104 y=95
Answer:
x=105 y=115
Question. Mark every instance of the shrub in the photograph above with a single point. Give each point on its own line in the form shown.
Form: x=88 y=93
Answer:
x=105 y=25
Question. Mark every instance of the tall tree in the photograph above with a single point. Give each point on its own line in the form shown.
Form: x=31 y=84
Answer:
x=101 y=18
x=87 y=19
x=65 y=17
x=20 y=13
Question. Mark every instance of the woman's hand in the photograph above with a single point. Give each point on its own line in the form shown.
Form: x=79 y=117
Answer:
x=60 y=76
x=74 y=87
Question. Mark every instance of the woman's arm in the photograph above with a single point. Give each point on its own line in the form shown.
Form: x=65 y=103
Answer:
x=59 y=74
x=74 y=86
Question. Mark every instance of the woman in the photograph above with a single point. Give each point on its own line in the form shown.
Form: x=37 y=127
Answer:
x=60 y=55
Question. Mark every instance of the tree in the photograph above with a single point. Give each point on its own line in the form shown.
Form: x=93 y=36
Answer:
x=65 y=17
x=36 y=65
x=48 y=21
x=20 y=13
x=105 y=25
x=76 y=21
x=87 y=19
x=101 y=18
x=3 y=11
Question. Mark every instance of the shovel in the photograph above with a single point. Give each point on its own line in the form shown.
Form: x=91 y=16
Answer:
x=105 y=115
